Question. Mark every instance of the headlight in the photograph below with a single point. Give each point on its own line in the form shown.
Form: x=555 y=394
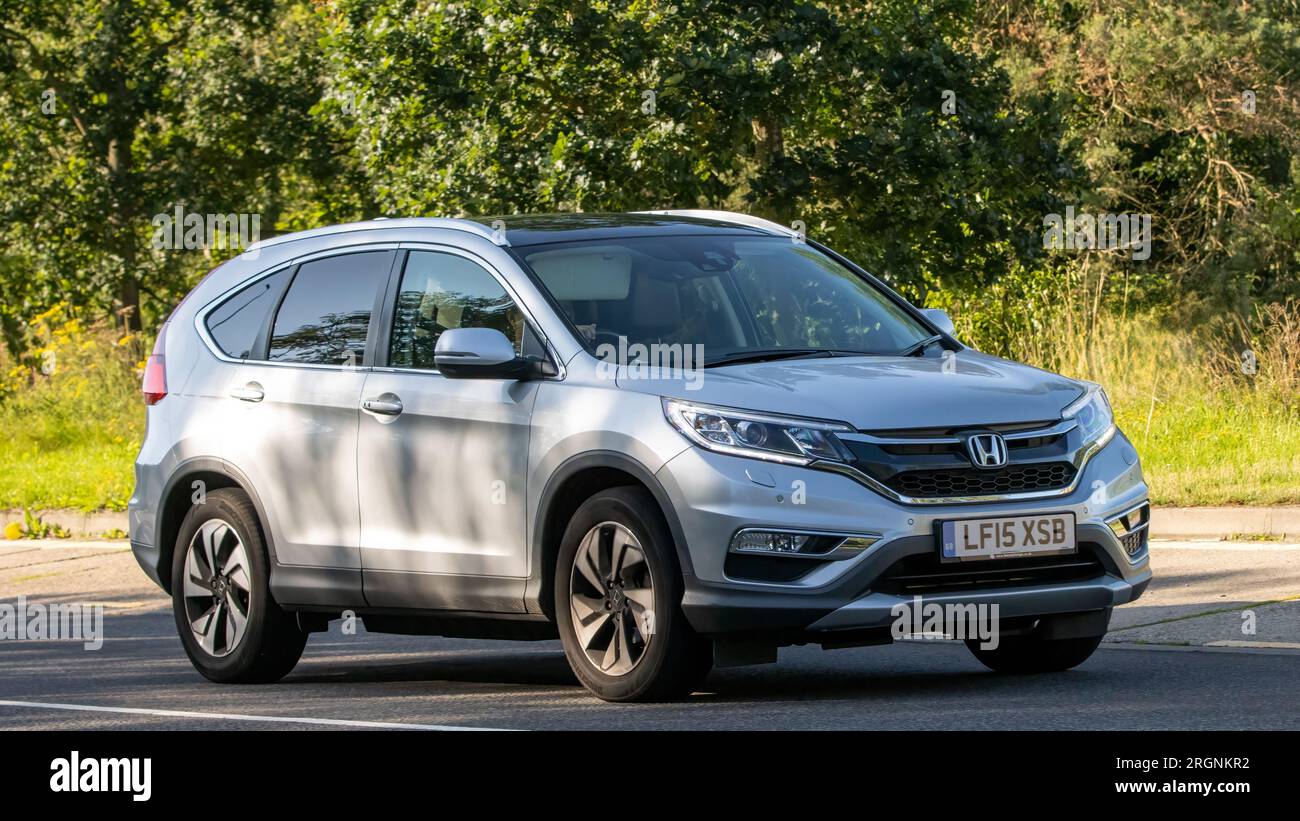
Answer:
x=1093 y=415
x=786 y=439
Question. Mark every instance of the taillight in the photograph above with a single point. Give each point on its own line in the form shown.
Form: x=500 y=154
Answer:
x=155 y=371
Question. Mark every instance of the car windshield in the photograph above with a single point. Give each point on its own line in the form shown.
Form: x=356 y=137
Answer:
x=739 y=297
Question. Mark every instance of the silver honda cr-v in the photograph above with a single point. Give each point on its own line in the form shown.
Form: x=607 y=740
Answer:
x=675 y=439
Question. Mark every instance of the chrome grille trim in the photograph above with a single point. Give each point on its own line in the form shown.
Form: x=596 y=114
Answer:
x=1062 y=427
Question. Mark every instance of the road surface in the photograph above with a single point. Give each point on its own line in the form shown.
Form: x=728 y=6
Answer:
x=1176 y=659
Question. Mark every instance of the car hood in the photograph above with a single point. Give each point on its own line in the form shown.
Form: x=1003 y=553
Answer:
x=878 y=392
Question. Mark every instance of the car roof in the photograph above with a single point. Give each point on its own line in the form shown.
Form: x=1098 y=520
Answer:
x=538 y=229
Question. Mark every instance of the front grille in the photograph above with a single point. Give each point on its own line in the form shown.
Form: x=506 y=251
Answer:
x=924 y=573
x=948 y=482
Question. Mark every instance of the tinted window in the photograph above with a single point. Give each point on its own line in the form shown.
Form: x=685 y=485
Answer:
x=443 y=291
x=236 y=323
x=325 y=316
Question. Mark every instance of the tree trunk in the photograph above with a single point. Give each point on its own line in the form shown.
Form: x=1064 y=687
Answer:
x=121 y=227
x=769 y=149
x=769 y=141
x=128 y=295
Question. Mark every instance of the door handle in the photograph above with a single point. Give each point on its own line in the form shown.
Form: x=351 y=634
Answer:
x=252 y=392
x=387 y=407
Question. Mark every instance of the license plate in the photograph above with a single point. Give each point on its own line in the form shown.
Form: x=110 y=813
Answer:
x=1007 y=537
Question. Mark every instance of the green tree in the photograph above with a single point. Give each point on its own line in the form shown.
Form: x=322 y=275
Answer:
x=1188 y=111
x=828 y=113
x=116 y=111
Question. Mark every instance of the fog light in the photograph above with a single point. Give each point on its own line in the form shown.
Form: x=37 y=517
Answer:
x=820 y=546
x=765 y=541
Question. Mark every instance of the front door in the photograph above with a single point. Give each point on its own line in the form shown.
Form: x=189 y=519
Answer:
x=442 y=462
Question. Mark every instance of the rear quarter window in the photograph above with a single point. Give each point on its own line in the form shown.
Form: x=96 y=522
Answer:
x=236 y=323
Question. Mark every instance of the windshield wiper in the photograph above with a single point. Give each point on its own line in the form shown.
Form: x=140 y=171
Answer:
x=772 y=354
x=919 y=347
x=765 y=355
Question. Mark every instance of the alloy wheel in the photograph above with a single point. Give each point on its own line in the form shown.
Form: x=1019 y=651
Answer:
x=218 y=588
x=611 y=598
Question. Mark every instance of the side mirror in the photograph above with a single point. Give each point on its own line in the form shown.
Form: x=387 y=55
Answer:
x=940 y=319
x=479 y=353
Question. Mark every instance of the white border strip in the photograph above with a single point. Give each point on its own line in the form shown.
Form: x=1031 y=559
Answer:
x=330 y=722
x=1244 y=547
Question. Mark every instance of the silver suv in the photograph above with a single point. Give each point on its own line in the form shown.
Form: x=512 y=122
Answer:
x=673 y=439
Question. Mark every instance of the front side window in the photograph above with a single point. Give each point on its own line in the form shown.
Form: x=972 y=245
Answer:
x=444 y=291
x=326 y=313
x=730 y=294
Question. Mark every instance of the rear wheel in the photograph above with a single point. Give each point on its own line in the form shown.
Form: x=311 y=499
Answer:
x=1034 y=654
x=232 y=630
x=618 y=593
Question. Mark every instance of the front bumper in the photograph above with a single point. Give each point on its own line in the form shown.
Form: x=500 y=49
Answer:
x=715 y=495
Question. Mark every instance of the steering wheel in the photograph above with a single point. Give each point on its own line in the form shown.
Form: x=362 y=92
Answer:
x=606 y=338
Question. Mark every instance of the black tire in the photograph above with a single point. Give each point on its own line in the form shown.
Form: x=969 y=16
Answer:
x=675 y=659
x=1021 y=655
x=271 y=643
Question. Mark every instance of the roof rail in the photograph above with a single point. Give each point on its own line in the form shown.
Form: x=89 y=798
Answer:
x=450 y=223
x=729 y=216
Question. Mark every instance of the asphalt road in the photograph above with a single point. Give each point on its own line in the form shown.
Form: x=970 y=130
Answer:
x=1178 y=659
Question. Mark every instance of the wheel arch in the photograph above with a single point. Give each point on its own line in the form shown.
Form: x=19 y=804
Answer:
x=177 y=499
x=573 y=482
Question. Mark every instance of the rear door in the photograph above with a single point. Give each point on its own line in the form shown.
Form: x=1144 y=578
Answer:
x=442 y=469
x=293 y=404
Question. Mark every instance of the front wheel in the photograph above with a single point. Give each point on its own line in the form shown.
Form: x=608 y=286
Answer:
x=1034 y=654
x=231 y=627
x=618 y=594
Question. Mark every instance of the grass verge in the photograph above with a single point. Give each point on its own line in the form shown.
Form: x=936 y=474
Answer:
x=71 y=417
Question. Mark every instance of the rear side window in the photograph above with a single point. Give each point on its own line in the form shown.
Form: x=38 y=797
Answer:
x=444 y=291
x=237 y=322
x=326 y=313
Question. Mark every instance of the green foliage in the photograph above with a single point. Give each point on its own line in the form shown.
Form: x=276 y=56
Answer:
x=926 y=140
x=34 y=527
x=113 y=112
x=1189 y=111
x=799 y=111
x=71 y=415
